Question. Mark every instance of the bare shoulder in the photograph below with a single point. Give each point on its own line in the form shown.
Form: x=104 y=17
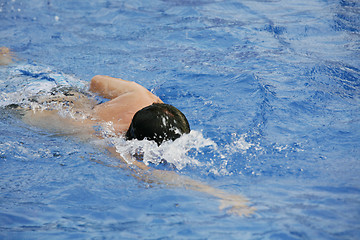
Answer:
x=110 y=87
x=126 y=98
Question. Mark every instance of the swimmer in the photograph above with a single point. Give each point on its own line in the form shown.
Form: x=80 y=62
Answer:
x=132 y=110
x=135 y=113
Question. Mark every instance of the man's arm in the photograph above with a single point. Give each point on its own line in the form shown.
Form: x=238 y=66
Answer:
x=232 y=203
x=109 y=87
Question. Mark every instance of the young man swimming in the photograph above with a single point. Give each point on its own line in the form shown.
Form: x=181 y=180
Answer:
x=132 y=110
x=135 y=112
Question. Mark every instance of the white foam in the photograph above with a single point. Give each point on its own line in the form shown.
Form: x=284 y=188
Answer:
x=20 y=82
x=173 y=152
x=239 y=144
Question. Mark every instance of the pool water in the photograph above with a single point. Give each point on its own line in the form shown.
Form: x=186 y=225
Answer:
x=271 y=90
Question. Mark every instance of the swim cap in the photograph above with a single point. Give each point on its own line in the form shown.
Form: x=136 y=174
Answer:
x=158 y=122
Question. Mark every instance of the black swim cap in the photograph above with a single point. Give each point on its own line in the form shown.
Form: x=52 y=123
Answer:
x=158 y=122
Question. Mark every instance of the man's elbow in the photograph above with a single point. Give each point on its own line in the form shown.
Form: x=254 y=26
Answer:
x=96 y=83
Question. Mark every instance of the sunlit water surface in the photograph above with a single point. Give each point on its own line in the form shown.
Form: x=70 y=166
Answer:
x=271 y=91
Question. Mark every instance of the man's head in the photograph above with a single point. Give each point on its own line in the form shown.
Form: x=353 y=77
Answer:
x=158 y=122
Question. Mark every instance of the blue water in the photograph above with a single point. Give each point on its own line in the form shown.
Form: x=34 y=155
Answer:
x=274 y=85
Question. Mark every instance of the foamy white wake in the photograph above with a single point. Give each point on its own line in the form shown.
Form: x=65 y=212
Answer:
x=173 y=152
x=20 y=82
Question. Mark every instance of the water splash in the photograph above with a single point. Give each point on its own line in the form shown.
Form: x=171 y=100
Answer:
x=239 y=144
x=21 y=82
x=175 y=153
